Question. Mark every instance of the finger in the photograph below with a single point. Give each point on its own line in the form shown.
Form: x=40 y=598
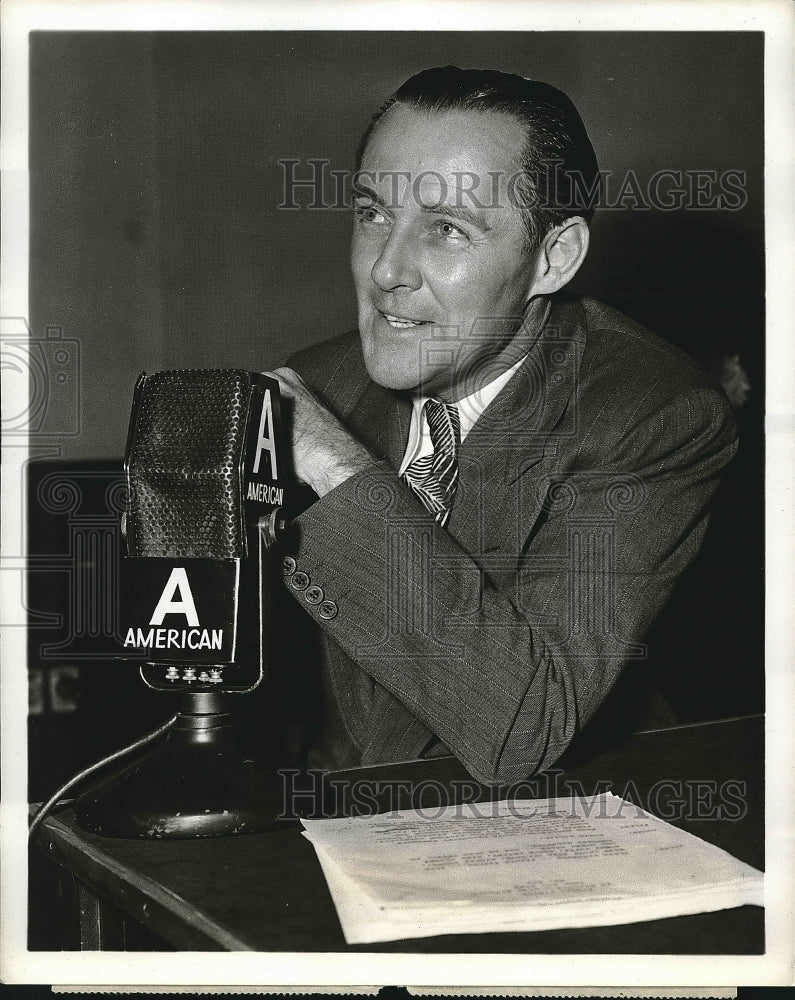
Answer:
x=294 y=386
x=288 y=375
x=287 y=385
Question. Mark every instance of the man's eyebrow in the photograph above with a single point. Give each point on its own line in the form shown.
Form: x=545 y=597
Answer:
x=360 y=189
x=461 y=213
x=458 y=212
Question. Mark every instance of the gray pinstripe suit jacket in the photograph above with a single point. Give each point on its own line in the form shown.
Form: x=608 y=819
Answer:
x=583 y=495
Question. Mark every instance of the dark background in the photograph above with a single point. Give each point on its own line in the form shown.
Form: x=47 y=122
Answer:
x=157 y=242
x=156 y=237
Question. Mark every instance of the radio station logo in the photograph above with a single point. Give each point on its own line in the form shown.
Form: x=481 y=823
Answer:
x=265 y=442
x=265 y=494
x=176 y=599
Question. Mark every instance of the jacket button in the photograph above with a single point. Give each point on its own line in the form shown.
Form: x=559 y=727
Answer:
x=299 y=580
x=289 y=565
x=328 y=610
x=314 y=594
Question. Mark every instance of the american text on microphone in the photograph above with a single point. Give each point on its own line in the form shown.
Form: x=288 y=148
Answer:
x=265 y=494
x=175 y=638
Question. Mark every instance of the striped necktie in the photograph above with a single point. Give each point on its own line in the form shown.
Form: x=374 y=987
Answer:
x=434 y=478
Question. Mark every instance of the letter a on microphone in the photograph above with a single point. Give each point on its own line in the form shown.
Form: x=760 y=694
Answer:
x=266 y=443
x=177 y=582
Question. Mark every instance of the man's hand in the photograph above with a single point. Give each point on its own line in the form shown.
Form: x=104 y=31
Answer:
x=324 y=452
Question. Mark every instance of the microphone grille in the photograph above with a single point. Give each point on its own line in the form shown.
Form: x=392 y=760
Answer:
x=184 y=465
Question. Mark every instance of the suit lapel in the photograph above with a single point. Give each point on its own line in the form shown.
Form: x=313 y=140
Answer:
x=518 y=432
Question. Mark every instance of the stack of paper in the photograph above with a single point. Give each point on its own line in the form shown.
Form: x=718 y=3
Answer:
x=520 y=865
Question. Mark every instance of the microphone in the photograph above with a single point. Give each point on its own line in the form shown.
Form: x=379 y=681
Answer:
x=205 y=491
x=206 y=485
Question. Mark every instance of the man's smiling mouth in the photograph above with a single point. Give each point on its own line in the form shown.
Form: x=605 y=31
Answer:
x=401 y=322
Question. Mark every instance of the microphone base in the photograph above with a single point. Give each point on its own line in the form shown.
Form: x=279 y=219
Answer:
x=197 y=782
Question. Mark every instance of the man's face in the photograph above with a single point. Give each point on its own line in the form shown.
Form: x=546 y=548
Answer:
x=429 y=263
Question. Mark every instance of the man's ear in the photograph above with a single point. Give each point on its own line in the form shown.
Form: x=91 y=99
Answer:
x=560 y=255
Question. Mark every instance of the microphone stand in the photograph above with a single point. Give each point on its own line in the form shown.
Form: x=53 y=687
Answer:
x=197 y=782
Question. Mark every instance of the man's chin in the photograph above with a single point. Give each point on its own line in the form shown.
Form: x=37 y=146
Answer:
x=391 y=378
x=387 y=369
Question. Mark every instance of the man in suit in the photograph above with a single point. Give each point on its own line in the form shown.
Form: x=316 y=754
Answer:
x=508 y=481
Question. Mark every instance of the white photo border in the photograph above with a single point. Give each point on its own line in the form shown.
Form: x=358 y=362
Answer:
x=774 y=18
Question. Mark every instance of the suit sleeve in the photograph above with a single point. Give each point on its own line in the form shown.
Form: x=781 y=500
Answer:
x=505 y=655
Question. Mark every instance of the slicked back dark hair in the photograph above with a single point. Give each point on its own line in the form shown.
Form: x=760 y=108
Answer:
x=559 y=173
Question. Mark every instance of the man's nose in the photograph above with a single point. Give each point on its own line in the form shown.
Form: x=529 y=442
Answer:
x=397 y=265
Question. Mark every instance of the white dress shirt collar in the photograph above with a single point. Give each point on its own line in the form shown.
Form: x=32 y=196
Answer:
x=469 y=409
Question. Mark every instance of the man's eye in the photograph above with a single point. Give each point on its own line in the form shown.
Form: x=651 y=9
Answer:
x=449 y=231
x=369 y=214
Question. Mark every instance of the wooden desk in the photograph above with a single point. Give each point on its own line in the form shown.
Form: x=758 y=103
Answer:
x=266 y=892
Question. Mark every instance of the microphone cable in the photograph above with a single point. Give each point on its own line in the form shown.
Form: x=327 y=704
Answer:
x=42 y=811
